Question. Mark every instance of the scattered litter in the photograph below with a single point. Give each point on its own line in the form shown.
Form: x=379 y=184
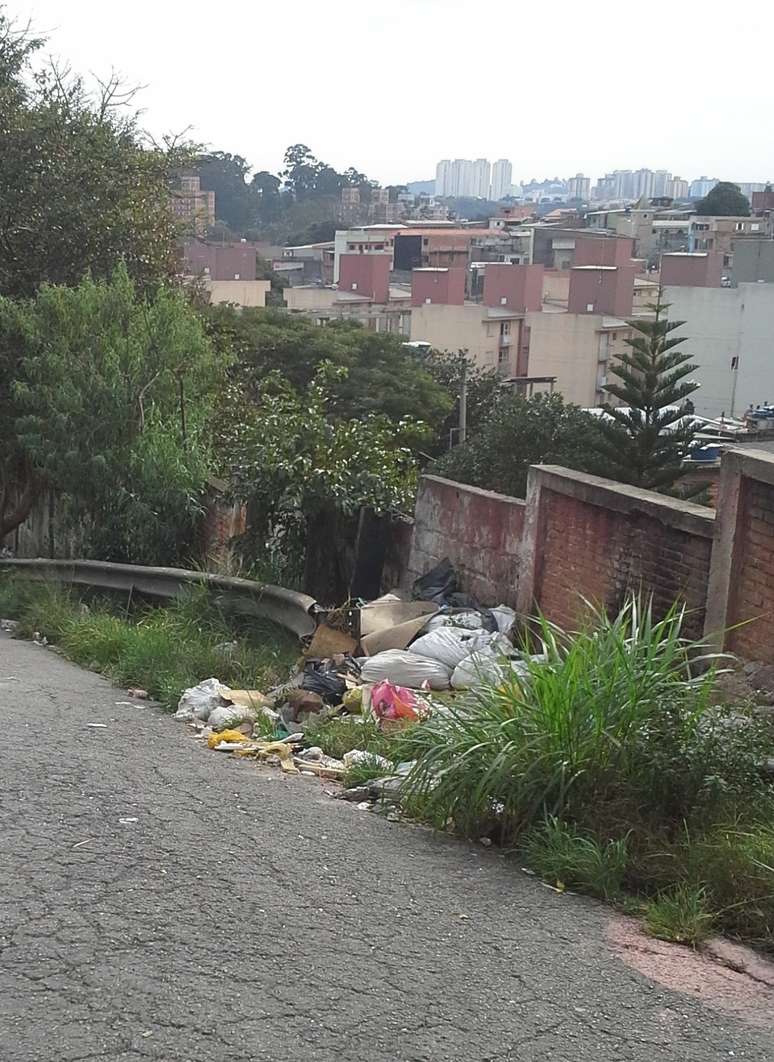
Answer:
x=360 y=758
x=127 y=704
x=353 y=700
x=393 y=702
x=328 y=642
x=9 y=625
x=303 y=702
x=364 y=805
x=324 y=681
x=226 y=737
x=138 y=694
x=406 y=669
x=80 y=844
x=389 y=623
x=230 y=716
x=39 y=639
x=96 y=726
x=244 y=698
x=448 y=645
x=198 y=701
x=126 y=822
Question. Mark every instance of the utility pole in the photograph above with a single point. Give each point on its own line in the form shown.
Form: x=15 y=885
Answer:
x=464 y=399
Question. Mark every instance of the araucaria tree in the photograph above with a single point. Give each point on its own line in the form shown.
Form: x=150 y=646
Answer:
x=645 y=441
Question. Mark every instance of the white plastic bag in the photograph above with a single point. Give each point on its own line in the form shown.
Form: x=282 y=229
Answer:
x=449 y=645
x=230 y=715
x=403 y=668
x=198 y=701
x=505 y=618
x=485 y=668
x=359 y=757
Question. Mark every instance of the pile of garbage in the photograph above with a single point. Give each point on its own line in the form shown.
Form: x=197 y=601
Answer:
x=384 y=660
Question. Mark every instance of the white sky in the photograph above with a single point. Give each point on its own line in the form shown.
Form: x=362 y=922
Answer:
x=393 y=86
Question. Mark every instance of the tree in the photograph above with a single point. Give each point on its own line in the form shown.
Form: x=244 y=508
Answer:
x=484 y=388
x=80 y=190
x=236 y=201
x=304 y=471
x=520 y=432
x=106 y=398
x=646 y=440
x=725 y=200
x=382 y=375
x=300 y=170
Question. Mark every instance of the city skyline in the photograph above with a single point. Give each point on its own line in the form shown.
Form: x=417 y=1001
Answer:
x=580 y=124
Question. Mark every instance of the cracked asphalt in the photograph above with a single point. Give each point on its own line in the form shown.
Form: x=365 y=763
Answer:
x=160 y=901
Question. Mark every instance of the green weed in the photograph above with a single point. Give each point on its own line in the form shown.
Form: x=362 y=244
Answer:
x=338 y=735
x=680 y=915
x=561 y=853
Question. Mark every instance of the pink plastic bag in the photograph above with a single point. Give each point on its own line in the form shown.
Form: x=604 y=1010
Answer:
x=393 y=702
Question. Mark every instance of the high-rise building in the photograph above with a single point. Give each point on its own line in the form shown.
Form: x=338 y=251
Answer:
x=481 y=178
x=702 y=186
x=677 y=188
x=643 y=182
x=579 y=187
x=443 y=177
x=661 y=181
x=502 y=176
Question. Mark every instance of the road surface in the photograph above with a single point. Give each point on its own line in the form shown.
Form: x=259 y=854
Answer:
x=160 y=901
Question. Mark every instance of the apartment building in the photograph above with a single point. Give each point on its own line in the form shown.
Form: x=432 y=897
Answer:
x=194 y=208
x=708 y=233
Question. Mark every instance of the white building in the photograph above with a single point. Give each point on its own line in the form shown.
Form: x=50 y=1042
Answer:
x=443 y=177
x=481 y=178
x=502 y=176
x=728 y=331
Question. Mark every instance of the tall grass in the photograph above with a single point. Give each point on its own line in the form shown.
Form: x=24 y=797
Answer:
x=163 y=650
x=611 y=713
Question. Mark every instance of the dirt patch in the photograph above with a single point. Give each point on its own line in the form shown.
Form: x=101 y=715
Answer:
x=724 y=975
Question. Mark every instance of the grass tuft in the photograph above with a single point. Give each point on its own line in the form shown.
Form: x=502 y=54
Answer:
x=562 y=854
x=680 y=915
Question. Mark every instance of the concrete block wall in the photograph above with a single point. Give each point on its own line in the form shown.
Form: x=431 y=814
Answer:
x=478 y=530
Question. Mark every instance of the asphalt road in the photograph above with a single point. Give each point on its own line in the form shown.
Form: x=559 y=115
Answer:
x=160 y=901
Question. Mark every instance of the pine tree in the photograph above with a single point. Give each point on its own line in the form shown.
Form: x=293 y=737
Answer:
x=645 y=441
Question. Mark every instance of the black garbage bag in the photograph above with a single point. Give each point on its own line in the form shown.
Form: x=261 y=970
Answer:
x=325 y=681
x=436 y=585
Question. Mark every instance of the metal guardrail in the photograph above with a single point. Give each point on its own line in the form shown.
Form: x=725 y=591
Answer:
x=288 y=608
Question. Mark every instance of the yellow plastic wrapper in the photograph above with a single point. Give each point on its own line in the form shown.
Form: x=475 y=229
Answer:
x=230 y=737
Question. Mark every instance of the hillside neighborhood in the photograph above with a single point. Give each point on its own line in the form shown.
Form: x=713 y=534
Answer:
x=386 y=565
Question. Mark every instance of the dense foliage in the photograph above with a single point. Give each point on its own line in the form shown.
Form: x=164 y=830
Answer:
x=80 y=190
x=106 y=396
x=519 y=432
x=724 y=200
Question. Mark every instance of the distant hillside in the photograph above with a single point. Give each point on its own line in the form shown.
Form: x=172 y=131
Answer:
x=421 y=187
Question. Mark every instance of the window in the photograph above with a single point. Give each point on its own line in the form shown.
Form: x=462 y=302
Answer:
x=354 y=285
x=428 y=301
x=378 y=246
x=505 y=328
x=589 y=307
x=236 y=276
x=425 y=241
x=614 y=336
x=503 y=300
x=739 y=227
x=503 y=357
x=755 y=227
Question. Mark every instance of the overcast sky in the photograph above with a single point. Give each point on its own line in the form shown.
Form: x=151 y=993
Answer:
x=394 y=86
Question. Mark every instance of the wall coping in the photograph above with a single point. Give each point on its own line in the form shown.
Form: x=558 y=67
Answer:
x=492 y=494
x=749 y=462
x=683 y=515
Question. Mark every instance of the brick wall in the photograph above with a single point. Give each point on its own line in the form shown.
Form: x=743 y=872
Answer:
x=479 y=531
x=752 y=593
x=589 y=538
x=741 y=592
x=593 y=552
